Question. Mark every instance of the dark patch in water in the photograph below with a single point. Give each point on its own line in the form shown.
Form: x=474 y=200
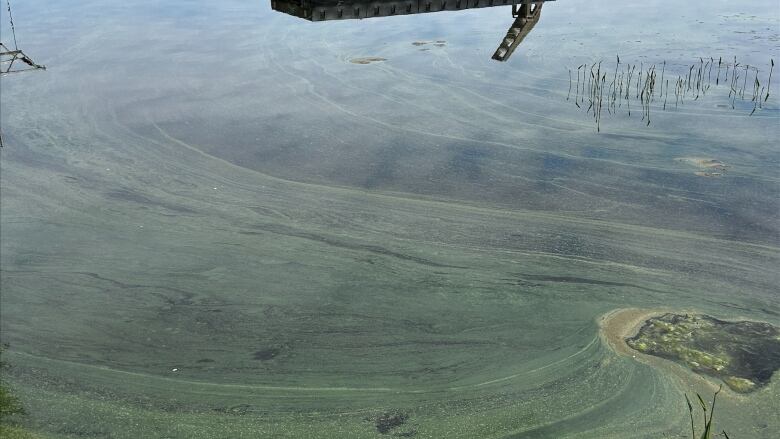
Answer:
x=240 y=409
x=266 y=354
x=367 y=60
x=289 y=231
x=131 y=196
x=389 y=420
x=581 y=280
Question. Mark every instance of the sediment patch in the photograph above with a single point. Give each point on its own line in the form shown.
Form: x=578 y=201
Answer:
x=743 y=354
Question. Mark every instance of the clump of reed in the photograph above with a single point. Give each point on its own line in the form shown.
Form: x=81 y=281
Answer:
x=648 y=88
x=708 y=429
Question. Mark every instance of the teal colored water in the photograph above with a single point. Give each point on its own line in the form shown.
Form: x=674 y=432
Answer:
x=222 y=221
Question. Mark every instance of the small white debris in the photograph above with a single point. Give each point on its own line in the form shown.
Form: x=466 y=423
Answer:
x=174 y=370
x=215 y=188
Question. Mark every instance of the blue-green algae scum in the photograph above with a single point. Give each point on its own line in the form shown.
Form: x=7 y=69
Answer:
x=223 y=221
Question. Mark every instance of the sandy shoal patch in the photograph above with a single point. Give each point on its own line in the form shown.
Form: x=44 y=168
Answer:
x=617 y=325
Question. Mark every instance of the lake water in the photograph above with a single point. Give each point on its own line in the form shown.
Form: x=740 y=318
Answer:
x=225 y=221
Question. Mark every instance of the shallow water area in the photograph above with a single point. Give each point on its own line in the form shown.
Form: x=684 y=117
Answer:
x=222 y=220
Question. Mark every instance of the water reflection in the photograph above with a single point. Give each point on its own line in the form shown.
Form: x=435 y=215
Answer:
x=526 y=13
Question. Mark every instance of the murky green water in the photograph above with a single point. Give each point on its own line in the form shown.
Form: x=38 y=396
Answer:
x=216 y=224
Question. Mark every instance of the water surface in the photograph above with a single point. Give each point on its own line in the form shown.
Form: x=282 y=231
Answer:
x=215 y=224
